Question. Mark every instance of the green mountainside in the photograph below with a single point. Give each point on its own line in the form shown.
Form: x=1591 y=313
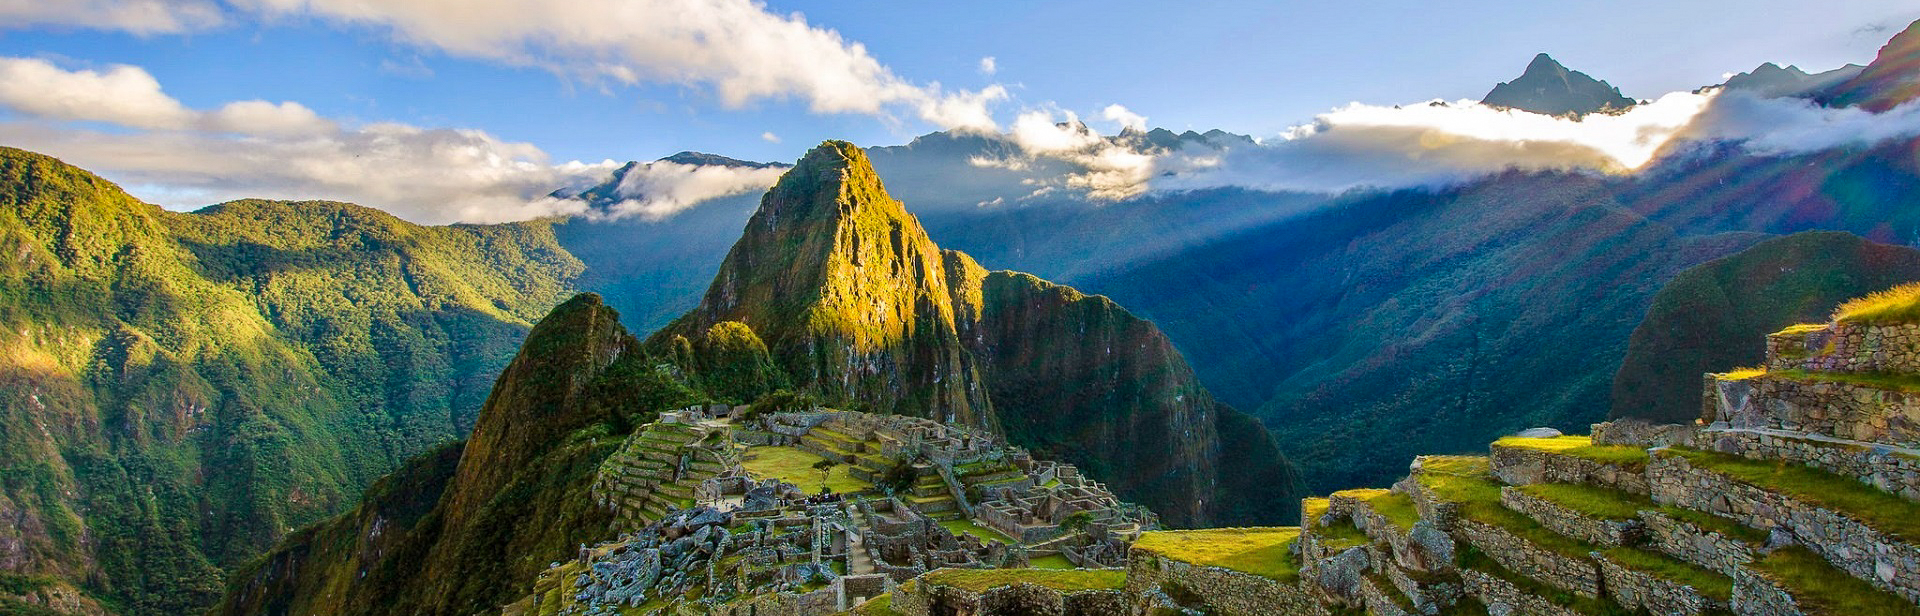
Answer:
x=1715 y=316
x=180 y=390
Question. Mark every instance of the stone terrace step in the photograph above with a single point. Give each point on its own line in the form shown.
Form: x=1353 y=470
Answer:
x=1794 y=580
x=1866 y=532
x=1891 y=468
x=1593 y=515
x=1570 y=459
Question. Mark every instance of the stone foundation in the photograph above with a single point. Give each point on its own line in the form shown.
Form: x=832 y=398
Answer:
x=1569 y=522
x=1576 y=575
x=1636 y=590
x=1524 y=466
x=1225 y=592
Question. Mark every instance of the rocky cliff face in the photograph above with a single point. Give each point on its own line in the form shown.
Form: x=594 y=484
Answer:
x=859 y=306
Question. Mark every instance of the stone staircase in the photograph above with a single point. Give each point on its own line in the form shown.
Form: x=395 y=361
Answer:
x=660 y=468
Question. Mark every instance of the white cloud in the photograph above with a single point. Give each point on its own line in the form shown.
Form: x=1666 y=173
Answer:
x=657 y=190
x=769 y=137
x=1126 y=118
x=738 y=49
x=1791 y=125
x=989 y=66
x=285 y=119
x=276 y=150
x=122 y=94
x=136 y=16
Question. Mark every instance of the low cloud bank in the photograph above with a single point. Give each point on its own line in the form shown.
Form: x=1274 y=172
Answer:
x=656 y=191
x=1434 y=143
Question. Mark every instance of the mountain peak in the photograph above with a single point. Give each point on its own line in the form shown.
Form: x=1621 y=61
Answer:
x=1891 y=79
x=703 y=159
x=1551 y=88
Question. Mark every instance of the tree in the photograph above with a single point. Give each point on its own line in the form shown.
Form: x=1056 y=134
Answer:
x=825 y=467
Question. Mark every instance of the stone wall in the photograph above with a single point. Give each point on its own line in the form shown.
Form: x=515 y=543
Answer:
x=1225 y=592
x=922 y=599
x=1641 y=433
x=1889 y=468
x=1846 y=543
x=1379 y=602
x=1756 y=595
x=1840 y=410
x=1576 y=575
x=1636 y=590
x=1503 y=598
x=1694 y=544
x=1569 y=522
x=1524 y=466
x=1846 y=347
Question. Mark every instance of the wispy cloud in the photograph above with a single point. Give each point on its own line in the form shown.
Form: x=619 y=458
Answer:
x=143 y=17
x=658 y=190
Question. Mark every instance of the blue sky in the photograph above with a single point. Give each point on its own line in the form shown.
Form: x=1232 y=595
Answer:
x=1249 y=67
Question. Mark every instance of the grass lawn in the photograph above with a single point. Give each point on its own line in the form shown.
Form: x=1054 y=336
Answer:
x=1056 y=561
x=1259 y=551
x=981 y=580
x=1591 y=500
x=1815 y=584
x=1878 y=508
x=793 y=465
x=1626 y=456
x=964 y=526
x=1709 y=583
x=877 y=606
x=1397 y=508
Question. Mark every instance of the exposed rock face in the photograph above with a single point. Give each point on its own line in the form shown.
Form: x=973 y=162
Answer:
x=859 y=306
x=1713 y=317
x=1891 y=79
x=1549 y=88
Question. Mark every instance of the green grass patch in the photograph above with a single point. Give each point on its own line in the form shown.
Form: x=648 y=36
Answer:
x=877 y=606
x=1591 y=500
x=1709 y=583
x=1052 y=561
x=1714 y=523
x=981 y=580
x=793 y=465
x=1819 y=588
x=1258 y=551
x=1878 y=380
x=1339 y=536
x=1802 y=328
x=1897 y=305
x=1880 y=509
x=1625 y=456
x=1741 y=374
x=967 y=527
x=1312 y=508
x=1397 y=508
x=1479 y=500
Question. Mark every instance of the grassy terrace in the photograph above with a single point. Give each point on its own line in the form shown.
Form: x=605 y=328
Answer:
x=1312 y=508
x=967 y=527
x=793 y=465
x=1472 y=558
x=1625 y=456
x=1052 y=561
x=1397 y=508
x=1881 y=510
x=1479 y=497
x=981 y=580
x=1594 y=501
x=1339 y=536
x=1880 y=380
x=1259 y=551
x=1821 y=589
x=877 y=606
x=1897 y=305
